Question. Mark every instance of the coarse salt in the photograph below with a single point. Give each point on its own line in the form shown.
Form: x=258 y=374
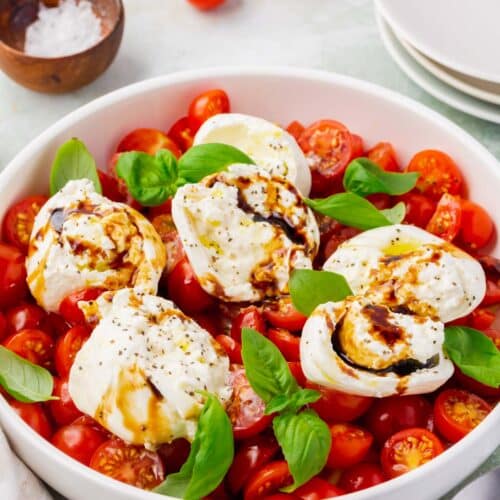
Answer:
x=70 y=28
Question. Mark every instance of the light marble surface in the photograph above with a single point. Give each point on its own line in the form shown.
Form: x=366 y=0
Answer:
x=162 y=36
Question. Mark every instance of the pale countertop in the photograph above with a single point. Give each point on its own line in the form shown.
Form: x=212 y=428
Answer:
x=162 y=36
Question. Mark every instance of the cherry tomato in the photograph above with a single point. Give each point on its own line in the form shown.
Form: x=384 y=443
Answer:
x=296 y=369
x=295 y=129
x=252 y=455
x=419 y=208
x=174 y=454
x=206 y=4
x=380 y=200
x=181 y=133
x=481 y=318
x=408 y=449
x=476 y=228
x=357 y=146
x=447 y=218
x=287 y=343
x=231 y=347
x=69 y=309
x=492 y=296
x=63 y=410
x=78 y=441
x=25 y=316
x=361 y=476
x=335 y=406
x=350 y=444
x=457 y=412
x=384 y=156
x=3 y=326
x=88 y=420
x=34 y=415
x=120 y=186
x=55 y=325
x=390 y=415
x=18 y=221
x=269 y=479
x=13 y=288
x=130 y=464
x=327 y=145
x=250 y=317
x=67 y=346
x=282 y=314
x=165 y=227
x=246 y=409
x=185 y=290
x=34 y=345
x=148 y=140
x=218 y=494
x=210 y=103
x=316 y=489
x=336 y=239
x=210 y=321
x=474 y=386
x=111 y=187
x=438 y=173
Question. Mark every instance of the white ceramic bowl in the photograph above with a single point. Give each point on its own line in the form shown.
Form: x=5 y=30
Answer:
x=280 y=95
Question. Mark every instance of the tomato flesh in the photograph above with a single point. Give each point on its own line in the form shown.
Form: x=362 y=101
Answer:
x=34 y=345
x=350 y=444
x=13 y=286
x=269 y=479
x=419 y=208
x=295 y=129
x=67 y=347
x=181 y=133
x=69 y=309
x=231 y=347
x=250 y=317
x=447 y=218
x=282 y=314
x=287 y=343
x=384 y=156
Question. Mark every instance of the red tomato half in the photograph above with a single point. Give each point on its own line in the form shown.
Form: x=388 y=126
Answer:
x=231 y=347
x=250 y=317
x=174 y=454
x=181 y=133
x=25 y=316
x=69 y=309
x=492 y=296
x=361 y=476
x=111 y=187
x=447 y=218
x=206 y=4
x=129 y=464
x=63 y=410
x=67 y=346
x=350 y=444
x=296 y=369
x=295 y=129
x=384 y=156
x=282 y=314
x=316 y=489
x=269 y=479
x=148 y=140
x=287 y=343
x=34 y=415
x=210 y=103
x=34 y=345
x=18 y=221
x=357 y=146
x=13 y=286
x=419 y=208
x=476 y=227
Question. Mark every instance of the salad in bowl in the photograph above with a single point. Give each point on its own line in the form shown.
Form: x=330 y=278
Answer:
x=244 y=309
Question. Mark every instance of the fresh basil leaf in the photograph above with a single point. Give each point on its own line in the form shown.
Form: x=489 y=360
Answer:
x=72 y=162
x=351 y=210
x=305 y=441
x=265 y=367
x=396 y=214
x=205 y=159
x=474 y=353
x=24 y=381
x=150 y=179
x=211 y=455
x=365 y=177
x=309 y=289
x=277 y=403
x=293 y=402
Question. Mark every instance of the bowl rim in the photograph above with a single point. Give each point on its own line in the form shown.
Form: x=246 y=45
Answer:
x=45 y=448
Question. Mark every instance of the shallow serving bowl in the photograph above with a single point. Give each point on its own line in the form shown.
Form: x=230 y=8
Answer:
x=279 y=95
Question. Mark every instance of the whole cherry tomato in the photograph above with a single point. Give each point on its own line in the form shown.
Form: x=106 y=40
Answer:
x=34 y=345
x=68 y=308
x=63 y=410
x=350 y=444
x=476 y=229
x=174 y=454
x=231 y=347
x=316 y=489
x=13 y=288
x=249 y=317
x=208 y=104
x=282 y=314
x=269 y=479
x=206 y=4
x=361 y=476
x=67 y=346
x=148 y=140
x=34 y=415
x=181 y=133
x=25 y=316
x=419 y=208
x=286 y=342
x=447 y=218
x=384 y=156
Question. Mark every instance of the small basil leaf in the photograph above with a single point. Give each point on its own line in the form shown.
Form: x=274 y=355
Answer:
x=305 y=441
x=277 y=403
x=265 y=367
x=474 y=353
x=72 y=162
x=396 y=214
x=206 y=159
x=293 y=402
x=309 y=289
x=364 y=177
x=351 y=210
x=211 y=455
x=24 y=381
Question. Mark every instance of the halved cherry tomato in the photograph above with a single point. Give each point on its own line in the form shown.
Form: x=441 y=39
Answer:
x=250 y=317
x=130 y=464
x=286 y=342
x=174 y=454
x=335 y=406
x=316 y=489
x=419 y=208
x=181 y=133
x=148 y=140
x=185 y=290
x=246 y=409
x=438 y=173
x=447 y=218
x=361 y=476
x=210 y=321
x=3 y=326
x=111 y=185
x=164 y=209
x=232 y=348
x=165 y=227
x=384 y=156
x=380 y=200
x=336 y=239
x=327 y=145
x=120 y=185
x=269 y=479
x=206 y=4
x=34 y=415
x=63 y=410
x=69 y=309
x=55 y=324
x=252 y=455
x=457 y=412
x=295 y=129
x=25 y=316
x=357 y=146
x=208 y=104
x=13 y=286
x=67 y=346
x=18 y=221
x=34 y=345
x=390 y=415
x=476 y=228
x=282 y=314
x=408 y=449
x=492 y=295
x=481 y=318
x=78 y=441
x=350 y=444
x=296 y=369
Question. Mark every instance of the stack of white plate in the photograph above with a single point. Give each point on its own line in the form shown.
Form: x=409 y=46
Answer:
x=450 y=48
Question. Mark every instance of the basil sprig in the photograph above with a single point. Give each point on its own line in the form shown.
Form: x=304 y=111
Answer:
x=23 y=380
x=210 y=457
x=474 y=353
x=364 y=177
x=151 y=180
x=72 y=162
x=303 y=437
